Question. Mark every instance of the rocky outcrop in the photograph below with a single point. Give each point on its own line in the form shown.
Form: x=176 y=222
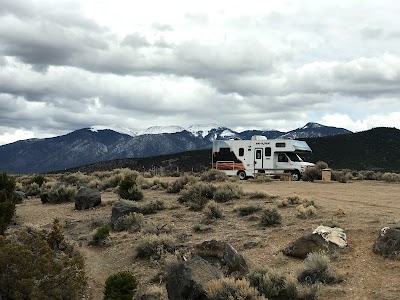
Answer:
x=87 y=198
x=187 y=280
x=322 y=239
x=222 y=255
x=388 y=242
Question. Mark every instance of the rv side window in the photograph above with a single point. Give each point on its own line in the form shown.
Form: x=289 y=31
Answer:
x=268 y=151
x=258 y=154
x=224 y=151
x=280 y=145
x=282 y=157
x=241 y=151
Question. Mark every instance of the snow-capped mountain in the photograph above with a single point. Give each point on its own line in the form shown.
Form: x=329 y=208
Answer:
x=102 y=143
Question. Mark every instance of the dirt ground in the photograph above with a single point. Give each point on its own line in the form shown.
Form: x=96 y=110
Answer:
x=367 y=205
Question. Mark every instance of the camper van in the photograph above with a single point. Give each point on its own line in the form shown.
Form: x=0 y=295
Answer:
x=247 y=158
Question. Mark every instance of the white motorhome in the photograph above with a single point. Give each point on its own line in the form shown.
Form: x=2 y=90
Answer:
x=246 y=158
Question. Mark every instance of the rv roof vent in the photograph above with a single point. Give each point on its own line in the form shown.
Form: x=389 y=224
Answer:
x=258 y=138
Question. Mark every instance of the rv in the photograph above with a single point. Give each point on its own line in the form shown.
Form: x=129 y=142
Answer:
x=247 y=158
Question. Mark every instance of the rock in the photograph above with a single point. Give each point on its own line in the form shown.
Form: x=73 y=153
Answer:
x=388 y=242
x=44 y=197
x=187 y=280
x=120 y=210
x=322 y=238
x=222 y=255
x=87 y=198
x=19 y=196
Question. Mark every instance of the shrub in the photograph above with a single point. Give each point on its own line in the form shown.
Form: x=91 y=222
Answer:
x=317 y=269
x=152 y=207
x=226 y=192
x=321 y=165
x=231 y=289
x=31 y=189
x=197 y=196
x=132 y=221
x=128 y=189
x=305 y=212
x=262 y=178
x=61 y=194
x=180 y=183
x=341 y=176
x=213 y=210
x=30 y=268
x=272 y=284
x=38 y=179
x=101 y=235
x=120 y=286
x=270 y=216
x=214 y=175
x=391 y=177
x=201 y=228
x=246 y=210
x=257 y=195
x=311 y=174
x=7 y=203
x=154 y=246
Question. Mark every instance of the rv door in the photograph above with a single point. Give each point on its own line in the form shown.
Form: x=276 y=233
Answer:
x=258 y=158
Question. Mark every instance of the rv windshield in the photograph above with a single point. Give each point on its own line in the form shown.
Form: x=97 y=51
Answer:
x=293 y=156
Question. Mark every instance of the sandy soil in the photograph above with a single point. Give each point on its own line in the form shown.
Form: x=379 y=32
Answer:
x=367 y=205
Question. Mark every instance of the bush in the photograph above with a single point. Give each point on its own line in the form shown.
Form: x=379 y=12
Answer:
x=120 y=286
x=305 y=211
x=213 y=210
x=317 y=269
x=246 y=210
x=391 y=177
x=226 y=192
x=311 y=174
x=197 y=196
x=7 y=201
x=180 y=183
x=101 y=235
x=30 y=268
x=128 y=189
x=341 y=176
x=257 y=195
x=272 y=284
x=38 y=179
x=231 y=289
x=154 y=246
x=132 y=221
x=152 y=207
x=61 y=194
x=214 y=175
x=321 y=165
x=262 y=178
x=31 y=189
x=270 y=216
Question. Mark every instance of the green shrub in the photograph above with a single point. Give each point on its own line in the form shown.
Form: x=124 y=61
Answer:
x=31 y=189
x=101 y=235
x=213 y=210
x=272 y=284
x=30 y=268
x=152 y=207
x=270 y=216
x=317 y=269
x=128 y=189
x=39 y=179
x=231 y=289
x=7 y=201
x=226 y=192
x=132 y=221
x=197 y=196
x=257 y=195
x=311 y=174
x=154 y=246
x=214 y=175
x=120 y=286
x=180 y=183
x=61 y=194
x=246 y=210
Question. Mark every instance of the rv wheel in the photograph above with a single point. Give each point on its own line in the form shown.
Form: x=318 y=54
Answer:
x=242 y=175
x=296 y=175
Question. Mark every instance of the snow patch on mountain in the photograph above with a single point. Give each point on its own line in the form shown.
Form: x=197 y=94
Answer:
x=202 y=130
x=312 y=125
x=162 y=129
x=115 y=128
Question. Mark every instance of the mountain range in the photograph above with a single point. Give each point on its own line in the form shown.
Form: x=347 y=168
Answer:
x=104 y=143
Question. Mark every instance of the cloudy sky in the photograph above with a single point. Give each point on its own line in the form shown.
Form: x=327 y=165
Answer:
x=70 y=64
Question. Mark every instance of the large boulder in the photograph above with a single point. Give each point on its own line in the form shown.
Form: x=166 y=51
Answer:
x=119 y=210
x=44 y=197
x=322 y=239
x=388 y=242
x=222 y=255
x=187 y=280
x=87 y=198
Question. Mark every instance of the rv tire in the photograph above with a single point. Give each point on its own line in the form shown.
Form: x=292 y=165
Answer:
x=242 y=175
x=296 y=176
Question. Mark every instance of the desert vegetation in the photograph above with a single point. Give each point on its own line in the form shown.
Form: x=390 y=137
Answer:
x=168 y=217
